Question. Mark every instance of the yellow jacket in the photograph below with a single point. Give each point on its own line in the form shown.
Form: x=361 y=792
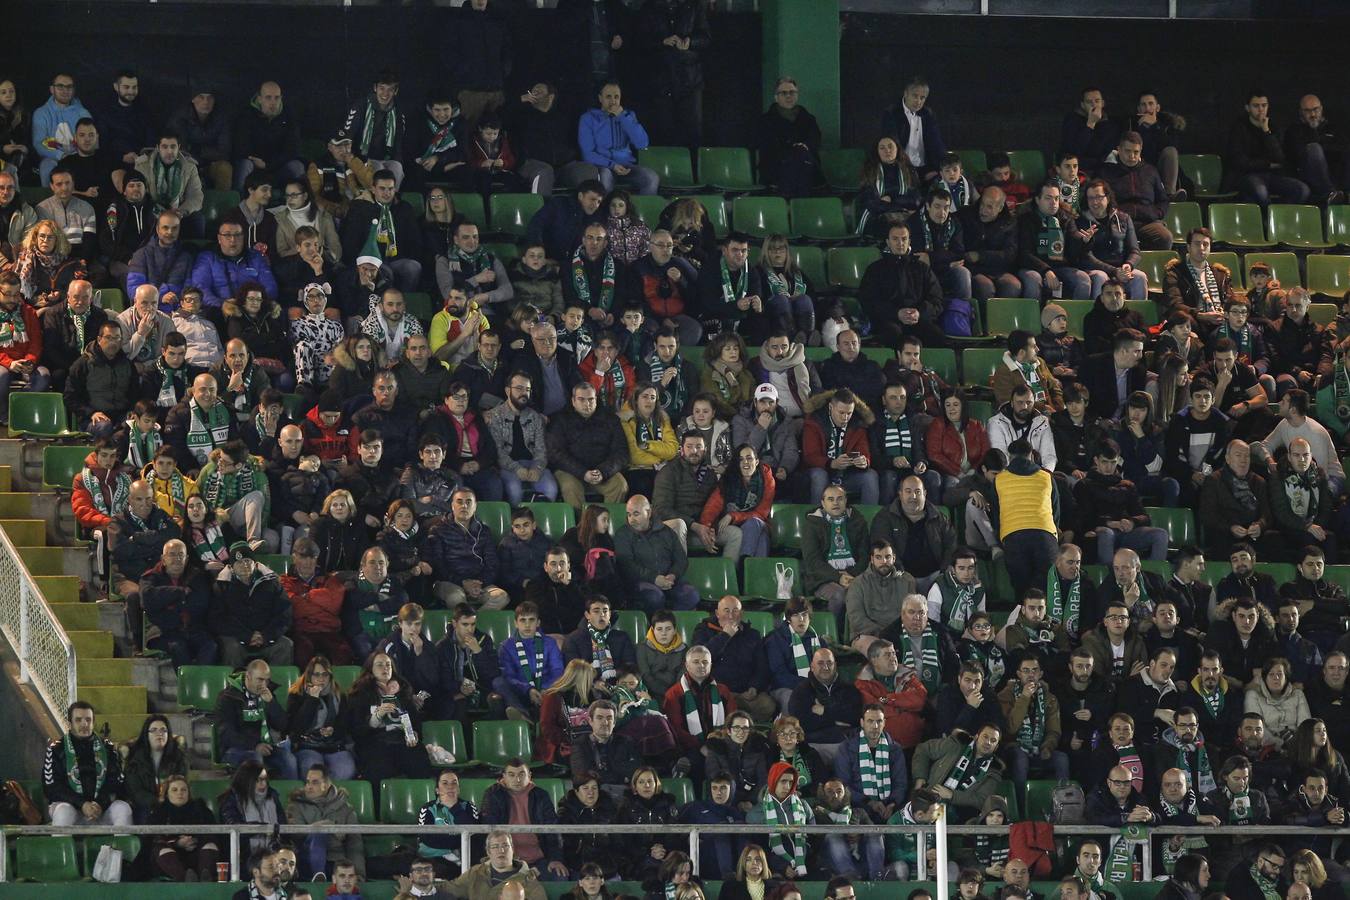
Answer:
x=659 y=449
x=170 y=496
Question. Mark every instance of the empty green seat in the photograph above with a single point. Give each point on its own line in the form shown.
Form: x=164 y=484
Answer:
x=1323 y=313
x=1039 y=791
x=129 y=844
x=1238 y=224
x=362 y=799
x=681 y=788
x=276 y=562
x=345 y=677
x=761 y=576
x=1338 y=224
x=60 y=465
x=632 y=622
x=1232 y=262
x=47 y=858
x=495 y=742
x=846 y=266
x=760 y=620
x=285 y=676
x=713 y=576
x=672 y=164
x=1339 y=576
x=726 y=169
x=511 y=213
x=1283 y=265
x=496 y=624
x=110 y=300
x=1179 y=522
x=842 y=168
x=1028 y=165
x=786 y=521
x=973 y=162
x=401 y=798
x=811 y=261
x=470 y=206
x=1004 y=315
x=1077 y=311
x=42 y=414
x=1328 y=274
x=553 y=518
x=436 y=622
x=450 y=735
x=649 y=208
x=1181 y=218
x=760 y=217
x=686 y=621
x=1283 y=573
x=1153 y=264
x=826 y=626
x=1296 y=225
x=1149 y=311
x=496 y=515
x=818 y=218
x=420 y=306
x=941 y=360
x=198 y=686
x=978 y=365
x=215 y=204
x=1206 y=172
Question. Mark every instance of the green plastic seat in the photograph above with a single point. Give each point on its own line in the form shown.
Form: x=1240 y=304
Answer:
x=511 y=213
x=811 y=261
x=760 y=217
x=1179 y=522
x=760 y=620
x=842 y=168
x=1233 y=263
x=60 y=464
x=846 y=266
x=687 y=620
x=556 y=789
x=33 y=194
x=503 y=250
x=41 y=414
x=402 y=798
x=681 y=788
x=47 y=858
x=362 y=799
x=1283 y=573
x=941 y=360
x=553 y=518
x=1329 y=275
x=416 y=201
x=1323 y=313
x=973 y=162
x=818 y=354
x=1296 y=225
x=978 y=365
x=826 y=626
x=436 y=622
x=1181 y=218
x=470 y=206
x=495 y=742
x=673 y=165
x=110 y=300
x=1077 y=311
x=632 y=622
x=496 y=515
x=818 y=218
x=473 y=789
x=1283 y=265
x=1039 y=792
x=375 y=624
x=420 y=306
x=496 y=624
x=648 y=208
x=785 y=522
x=1153 y=264
x=1238 y=224
x=450 y=735
x=277 y=562
x=1147 y=309
x=1028 y=165
x=285 y=676
x=129 y=844
x=879 y=355
x=869 y=511
x=198 y=686
x=761 y=576
x=1206 y=172
x=215 y=204
x=1338 y=224
x=1004 y=315
x=713 y=576
x=295 y=406
x=1338 y=575
x=726 y=169
x=345 y=677
x=716 y=206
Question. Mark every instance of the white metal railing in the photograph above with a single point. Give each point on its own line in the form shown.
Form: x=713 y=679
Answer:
x=938 y=832
x=44 y=650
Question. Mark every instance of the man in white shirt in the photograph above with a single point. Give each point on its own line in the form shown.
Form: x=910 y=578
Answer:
x=1297 y=424
x=390 y=325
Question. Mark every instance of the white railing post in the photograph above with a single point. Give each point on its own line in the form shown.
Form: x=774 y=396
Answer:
x=465 y=851
x=4 y=857
x=940 y=839
x=921 y=861
x=693 y=850
x=234 y=855
x=24 y=675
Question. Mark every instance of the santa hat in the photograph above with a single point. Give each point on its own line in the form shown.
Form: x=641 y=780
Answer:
x=370 y=252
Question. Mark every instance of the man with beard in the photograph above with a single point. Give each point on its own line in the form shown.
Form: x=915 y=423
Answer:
x=266 y=881
x=1112 y=378
x=1031 y=630
x=1301 y=503
x=1019 y=419
x=1130 y=586
x=1183 y=746
x=1168 y=634
x=1179 y=804
x=1237 y=391
x=1269 y=769
x=871 y=599
x=82 y=775
x=1244 y=581
x=991 y=245
x=1111 y=513
x=389 y=324
x=1086 y=699
x=1142 y=697
x=1305 y=656
x=1327 y=697
x=1241 y=633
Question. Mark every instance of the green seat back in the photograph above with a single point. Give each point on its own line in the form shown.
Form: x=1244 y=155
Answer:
x=1296 y=225
x=436 y=622
x=472 y=789
x=1039 y=791
x=1077 y=311
x=1328 y=274
x=556 y=788
x=416 y=201
x=496 y=624
x=470 y=206
x=496 y=515
x=879 y=355
x=760 y=620
x=421 y=306
x=712 y=576
x=110 y=300
x=362 y=799
x=34 y=194
x=450 y=735
x=278 y=563
x=1153 y=263
x=46 y=858
x=1147 y=309
x=648 y=208
x=1338 y=224
x=503 y=250
x=401 y=798
x=818 y=354
x=726 y=168
x=1338 y=575
x=1180 y=218
x=973 y=162
x=553 y=518
x=672 y=164
x=687 y=620
x=826 y=626
x=1283 y=265
x=979 y=363
x=1004 y=315
x=847 y=264
x=1028 y=165
x=1323 y=313
x=818 y=218
x=129 y=844
x=511 y=213
x=761 y=578
x=60 y=465
x=1229 y=260
x=632 y=622
x=375 y=623
x=682 y=789
x=941 y=360
x=760 y=217
x=1179 y=522
x=716 y=206
x=811 y=261
x=1238 y=224
x=38 y=413
x=199 y=686
x=786 y=521
x=345 y=676
x=1205 y=171
x=296 y=406
x=1281 y=572
x=285 y=676
x=215 y=204
x=495 y=742
x=842 y=168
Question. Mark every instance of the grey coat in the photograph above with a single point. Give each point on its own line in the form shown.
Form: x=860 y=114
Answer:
x=500 y=422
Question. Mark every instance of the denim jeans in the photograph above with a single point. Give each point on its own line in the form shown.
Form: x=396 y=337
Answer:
x=341 y=764
x=870 y=856
x=514 y=489
x=653 y=599
x=862 y=482
x=1075 y=282
x=280 y=763
x=1150 y=543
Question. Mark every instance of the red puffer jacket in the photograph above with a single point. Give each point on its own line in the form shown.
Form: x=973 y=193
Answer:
x=82 y=498
x=943 y=444
x=317 y=607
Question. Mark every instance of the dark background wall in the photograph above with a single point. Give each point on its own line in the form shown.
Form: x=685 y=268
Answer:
x=1005 y=83
x=323 y=56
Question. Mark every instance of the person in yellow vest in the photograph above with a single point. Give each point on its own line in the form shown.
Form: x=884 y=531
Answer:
x=1024 y=510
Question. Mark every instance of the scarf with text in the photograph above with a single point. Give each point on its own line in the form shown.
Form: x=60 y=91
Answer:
x=928 y=664
x=1128 y=758
x=674 y=395
x=1200 y=774
x=254 y=711
x=1208 y=286
x=99 y=748
x=1049 y=238
x=959 y=601
x=208 y=542
x=1031 y=733
x=1031 y=374
x=109 y=492
x=968 y=769
x=168 y=182
x=601 y=658
x=1240 y=810
x=442 y=137
x=1064 y=609
x=207 y=429
x=838 y=549
x=582 y=283
x=778 y=282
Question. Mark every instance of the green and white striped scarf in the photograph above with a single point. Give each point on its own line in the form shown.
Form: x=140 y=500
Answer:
x=874 y=767
x=100 y=748
x=927 y=665
x=1031 y=732
x=121 y=487
x=693 y=722
x=368 y=127
x=535 y=670
x=1064 y=610
x=673 y=395
x=207 y=429
x=800 y=659
x=582 y=284
x=778 y=283
x=786 y=844
x=968 y=769
x=959 y=601
x=899 y=436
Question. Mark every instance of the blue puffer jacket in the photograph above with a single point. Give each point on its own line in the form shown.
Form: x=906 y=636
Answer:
x=607 y=140
x=457 y=553
x=166 y=268
x=220 y=278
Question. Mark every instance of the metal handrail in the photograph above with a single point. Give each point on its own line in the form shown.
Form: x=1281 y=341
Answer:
x=57 y=689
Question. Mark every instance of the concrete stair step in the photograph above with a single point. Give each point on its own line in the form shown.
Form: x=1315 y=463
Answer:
x=125 y=727
x=16 y=505
x=25 y=532
x=77 y=616
x=115 y=699
x=94 y=672
x=6 y=478
x=60 y=589
x=57 y=561
x=92 y=644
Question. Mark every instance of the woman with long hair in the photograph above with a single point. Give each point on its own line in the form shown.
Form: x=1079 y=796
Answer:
x=1142 y=450
x=753 y=880
x=564 y=714
x=316 y=721
x=674 y=874
x=439 y=222
x=1174 y=379
x=593 y=531
x=1279 y=702
x=1311 y=749
x=207 y=539
x=716 y=430
x=45 y=266
x=341 y=535
x=956 y=443
x=154 y=758
x=356 y=360
x=385 y=722
x=298 y=210
x=726 y=374
x=789 y=303
x=251 y=800
x=742 y=499
x=1306 y=867
x=14 y=128
x=628 y=235
x=691 y=227
x=590 y=882
x=651 y=437
x=177 y=855
x=1190 y=879
x=889 y=190
x=256 y=320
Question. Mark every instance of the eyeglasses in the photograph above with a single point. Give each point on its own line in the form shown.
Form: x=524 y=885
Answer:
x=663 y=245
x=740 y=727
x=499 y=846
x=1118 y=782
x=981 y=626
x=1116 y=618
x=294 y=195
x=63 y=85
